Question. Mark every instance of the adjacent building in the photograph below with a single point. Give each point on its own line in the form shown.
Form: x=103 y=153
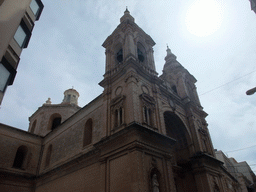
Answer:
x=241 y=171
x=17 y=20
x=253 y=5
x=145 y=132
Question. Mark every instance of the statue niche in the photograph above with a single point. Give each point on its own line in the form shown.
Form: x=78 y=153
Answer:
x=154 y=178
x=155 y=184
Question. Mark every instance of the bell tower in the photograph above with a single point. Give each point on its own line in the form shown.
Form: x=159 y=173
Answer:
x=179 y=79
x=129 y=76
x=128 y=41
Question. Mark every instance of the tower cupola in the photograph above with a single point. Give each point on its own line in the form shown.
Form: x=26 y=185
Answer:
x=170 y=60
x=70 y=97
x=126 y=16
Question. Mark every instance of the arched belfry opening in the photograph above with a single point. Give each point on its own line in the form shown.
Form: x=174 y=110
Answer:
x=141 y=52
x=176 y=129
x=174 y=88
x=54 y=121
x=119 y=55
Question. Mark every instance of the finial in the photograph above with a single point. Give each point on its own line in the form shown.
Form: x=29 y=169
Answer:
x=126 y=11
x=127 y=16
x=168 y=50
x=170 y=56
x=48 y=102
x=72 y=87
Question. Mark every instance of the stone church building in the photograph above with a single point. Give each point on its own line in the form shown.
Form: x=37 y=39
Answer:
x=145 y=132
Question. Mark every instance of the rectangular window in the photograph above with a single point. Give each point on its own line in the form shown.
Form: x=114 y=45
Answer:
x=34 y=7
x=4 y=77
x=20 y=36
x=69 y=98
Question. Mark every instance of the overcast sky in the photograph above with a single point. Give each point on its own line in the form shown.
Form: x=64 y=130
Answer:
x=215 y=40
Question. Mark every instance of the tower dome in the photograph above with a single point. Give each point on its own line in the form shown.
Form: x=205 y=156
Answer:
x=70 y=97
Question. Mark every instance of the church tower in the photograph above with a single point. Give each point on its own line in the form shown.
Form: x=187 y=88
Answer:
x=129 y=76
x=167 y=106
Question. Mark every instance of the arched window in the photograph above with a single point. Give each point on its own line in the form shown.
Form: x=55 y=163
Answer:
x=20 y=157
x=48 y=156
x=32 y=130
x=141 y=52
x=68 y=98
x=174 y=88
x=140 y=55
x=54 y=121
x=87 y=132
x=119 y=55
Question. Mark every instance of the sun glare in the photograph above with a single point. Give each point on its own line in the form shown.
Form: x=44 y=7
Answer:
x=204 y=17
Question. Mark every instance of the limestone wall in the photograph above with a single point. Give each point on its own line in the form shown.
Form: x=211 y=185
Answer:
x=10 y=140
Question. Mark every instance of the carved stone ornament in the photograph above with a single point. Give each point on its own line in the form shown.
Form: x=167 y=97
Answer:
x=117 y=102
x=198 y=122
x=48 y=102
x=203 y=132
x=144 y=89
x=131 y=75
x=172 y=104
x=147 y=99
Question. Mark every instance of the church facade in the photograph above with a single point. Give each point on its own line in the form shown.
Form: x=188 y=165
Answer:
x=143 y=133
